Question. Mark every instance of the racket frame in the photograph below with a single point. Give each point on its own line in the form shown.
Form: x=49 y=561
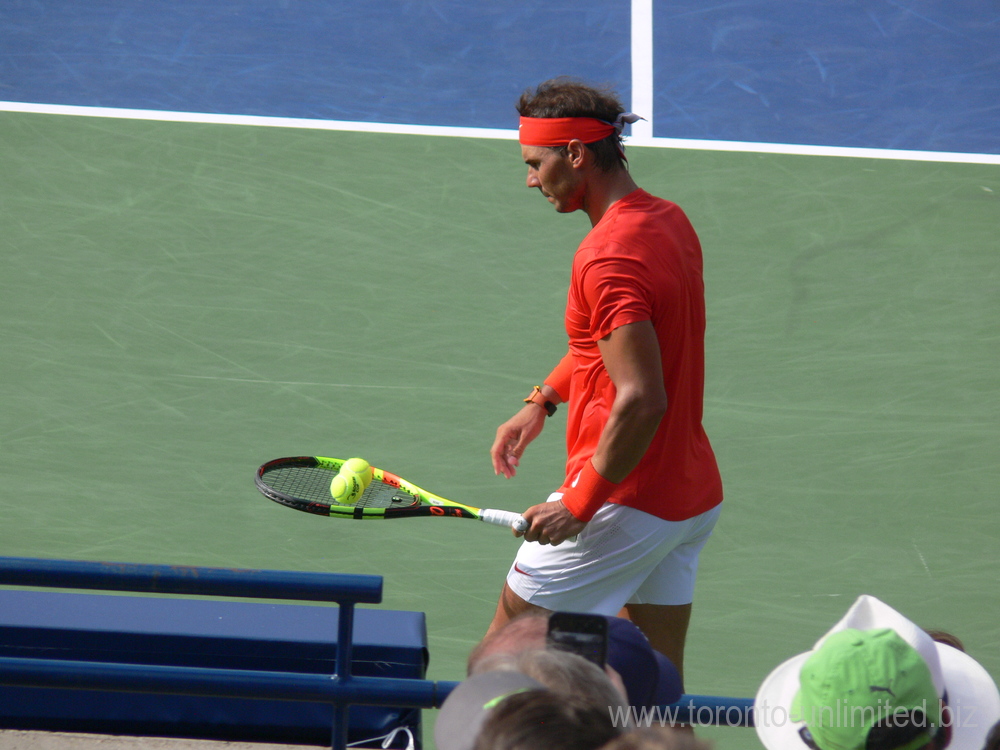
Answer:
x=426 y=504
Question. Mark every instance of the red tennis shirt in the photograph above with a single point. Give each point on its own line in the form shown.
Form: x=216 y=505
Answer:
x=642 y=262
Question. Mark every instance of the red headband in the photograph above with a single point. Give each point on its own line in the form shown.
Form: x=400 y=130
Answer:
x=558 y=131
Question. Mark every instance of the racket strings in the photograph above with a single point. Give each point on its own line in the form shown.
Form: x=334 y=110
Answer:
x=312 y=484
x=303 y=482
x=378 y=494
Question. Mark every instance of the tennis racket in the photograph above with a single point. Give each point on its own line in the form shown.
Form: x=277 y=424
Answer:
x=303 y=483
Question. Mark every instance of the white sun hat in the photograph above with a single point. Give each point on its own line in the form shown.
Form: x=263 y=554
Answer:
x=970 y=692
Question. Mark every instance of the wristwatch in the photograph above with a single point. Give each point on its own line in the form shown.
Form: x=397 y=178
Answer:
x=536 y=397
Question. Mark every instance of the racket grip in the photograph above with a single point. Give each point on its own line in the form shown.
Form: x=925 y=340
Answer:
x=505 y=518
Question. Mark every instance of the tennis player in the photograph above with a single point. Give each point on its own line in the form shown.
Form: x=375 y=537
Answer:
x=642 y=491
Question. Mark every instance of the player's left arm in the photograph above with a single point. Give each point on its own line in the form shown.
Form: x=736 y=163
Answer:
x=631 y=355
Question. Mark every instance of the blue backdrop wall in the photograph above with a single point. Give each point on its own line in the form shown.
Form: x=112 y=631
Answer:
x=906 y=74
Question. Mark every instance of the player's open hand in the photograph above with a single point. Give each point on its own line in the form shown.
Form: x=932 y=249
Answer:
x=513 y=436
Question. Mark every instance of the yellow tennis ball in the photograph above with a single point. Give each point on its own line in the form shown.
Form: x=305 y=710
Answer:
x=346 y=487
x=360 y=467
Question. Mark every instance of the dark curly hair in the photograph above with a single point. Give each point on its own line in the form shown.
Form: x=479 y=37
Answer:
x=567 y=97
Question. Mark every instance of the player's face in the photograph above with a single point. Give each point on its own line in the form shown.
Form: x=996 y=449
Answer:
x=554 y=176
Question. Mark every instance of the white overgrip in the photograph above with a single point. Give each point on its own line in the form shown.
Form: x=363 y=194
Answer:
x=505 y=518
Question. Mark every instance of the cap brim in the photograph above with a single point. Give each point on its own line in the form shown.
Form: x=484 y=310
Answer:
x=972 y=696
x=629 y=653
x=772 y=706
x=464 y=710
x=669 y=687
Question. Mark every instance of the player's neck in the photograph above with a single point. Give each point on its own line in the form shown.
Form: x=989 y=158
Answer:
x=604 y=190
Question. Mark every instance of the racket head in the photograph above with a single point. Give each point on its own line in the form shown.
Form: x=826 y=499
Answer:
x=303 y=483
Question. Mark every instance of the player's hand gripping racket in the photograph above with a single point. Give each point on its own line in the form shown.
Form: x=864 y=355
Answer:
x=303 y=483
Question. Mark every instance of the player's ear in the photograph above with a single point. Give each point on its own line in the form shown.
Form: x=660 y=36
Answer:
x=577 y=153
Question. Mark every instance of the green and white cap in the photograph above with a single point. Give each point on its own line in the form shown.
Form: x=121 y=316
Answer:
x=971 y=695
x=859 y=679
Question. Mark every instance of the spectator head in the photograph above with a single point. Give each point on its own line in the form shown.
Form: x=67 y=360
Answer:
x=649 y=677
x=961 y=686
x=561 y=672
x=544 y=720
x=467 y=707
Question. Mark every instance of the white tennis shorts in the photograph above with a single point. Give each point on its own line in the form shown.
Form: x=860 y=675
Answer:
x=622 y=556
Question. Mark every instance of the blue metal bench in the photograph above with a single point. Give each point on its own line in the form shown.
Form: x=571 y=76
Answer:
x=340 y=689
